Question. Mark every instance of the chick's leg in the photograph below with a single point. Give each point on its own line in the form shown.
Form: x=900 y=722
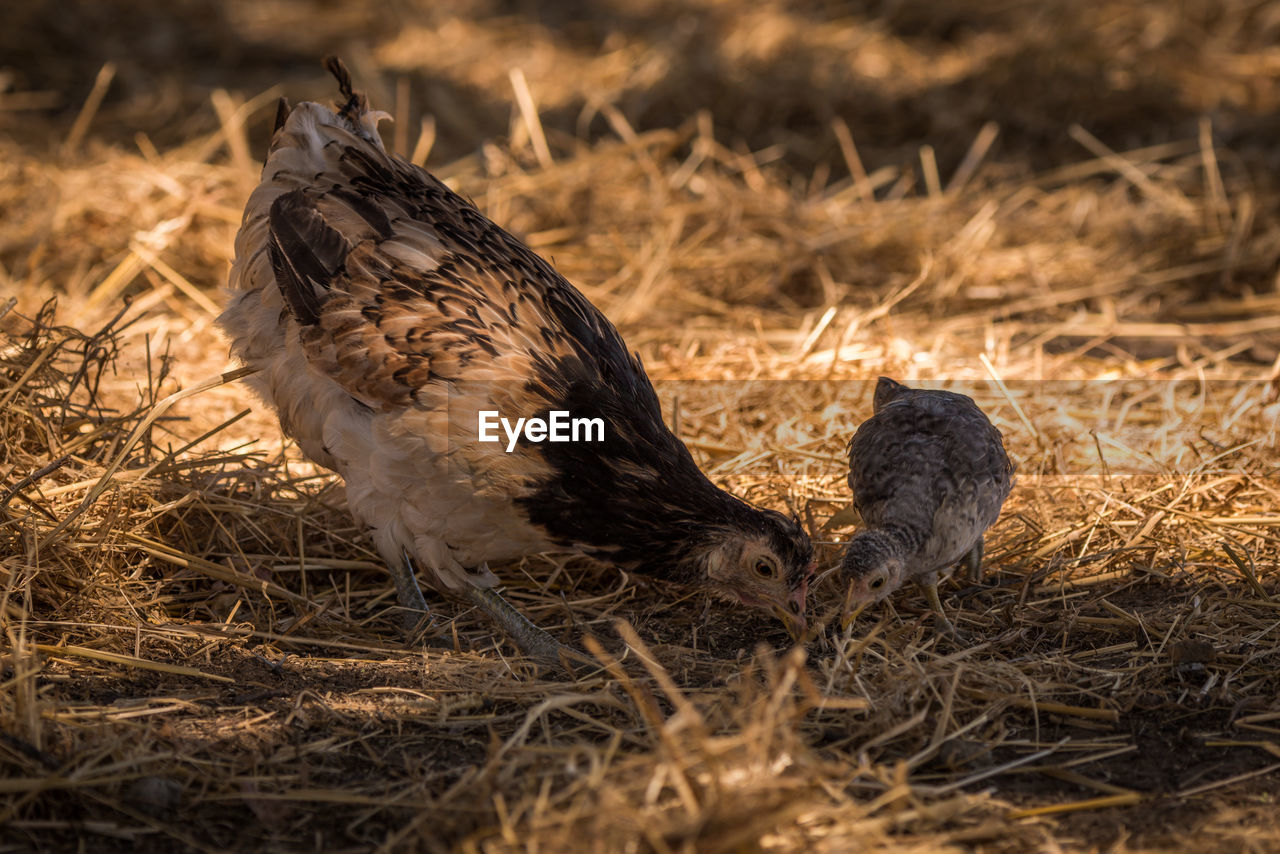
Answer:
x=940 y=616
x=973 y=560
x=535 y=643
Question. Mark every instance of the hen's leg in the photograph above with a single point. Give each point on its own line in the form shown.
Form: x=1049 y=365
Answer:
x=409 y=594
x=535 y=643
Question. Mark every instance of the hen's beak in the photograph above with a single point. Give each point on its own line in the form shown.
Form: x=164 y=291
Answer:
x=793 y=618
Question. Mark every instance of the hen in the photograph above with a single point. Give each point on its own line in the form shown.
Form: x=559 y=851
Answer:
x=387 y=317
x=929 y=474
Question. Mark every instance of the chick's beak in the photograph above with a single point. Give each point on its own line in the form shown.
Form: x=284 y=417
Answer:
x=851 y=614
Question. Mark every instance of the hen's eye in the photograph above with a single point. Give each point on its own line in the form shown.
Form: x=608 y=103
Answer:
x=766 y=569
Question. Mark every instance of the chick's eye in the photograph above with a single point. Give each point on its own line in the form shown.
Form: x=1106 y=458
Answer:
x=766 y=569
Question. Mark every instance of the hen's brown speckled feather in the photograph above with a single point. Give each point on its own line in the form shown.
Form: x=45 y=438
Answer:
x=385 y=312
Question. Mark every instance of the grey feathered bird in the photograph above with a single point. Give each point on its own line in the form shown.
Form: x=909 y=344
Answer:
x=929 y=474
x=387 y=315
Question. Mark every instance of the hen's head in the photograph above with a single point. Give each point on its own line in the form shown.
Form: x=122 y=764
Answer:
x=872 y=568
x=765 y=564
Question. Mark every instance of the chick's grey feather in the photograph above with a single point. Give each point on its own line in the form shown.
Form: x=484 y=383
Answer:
x=929 y=475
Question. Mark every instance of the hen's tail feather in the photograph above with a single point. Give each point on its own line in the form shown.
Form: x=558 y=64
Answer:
x=306 y=253
x=354 y=111
x=282 y=113
x=886 y=391
x=355 y=103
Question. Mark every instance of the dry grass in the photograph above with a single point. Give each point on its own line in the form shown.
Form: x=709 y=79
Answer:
x=1068 y=214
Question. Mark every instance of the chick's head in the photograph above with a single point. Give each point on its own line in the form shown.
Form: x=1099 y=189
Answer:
x=872 y=569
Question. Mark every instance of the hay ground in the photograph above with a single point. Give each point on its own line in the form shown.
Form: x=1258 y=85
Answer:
x=788 y=198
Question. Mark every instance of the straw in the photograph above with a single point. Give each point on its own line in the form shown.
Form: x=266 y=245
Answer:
x=202 y=649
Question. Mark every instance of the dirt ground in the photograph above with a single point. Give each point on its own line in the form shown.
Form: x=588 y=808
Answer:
x=1068 y=211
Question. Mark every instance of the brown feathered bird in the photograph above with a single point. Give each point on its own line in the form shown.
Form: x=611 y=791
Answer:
x=929 y=474
x=386 y=315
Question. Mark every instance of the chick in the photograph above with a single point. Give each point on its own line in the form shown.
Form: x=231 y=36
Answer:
x=929 y=474
x=389 y=320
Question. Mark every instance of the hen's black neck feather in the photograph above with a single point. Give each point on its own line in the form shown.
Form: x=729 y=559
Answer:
x=636 y=499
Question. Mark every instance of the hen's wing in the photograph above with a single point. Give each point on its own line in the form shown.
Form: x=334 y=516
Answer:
x=398 y=283
x=402 y=290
